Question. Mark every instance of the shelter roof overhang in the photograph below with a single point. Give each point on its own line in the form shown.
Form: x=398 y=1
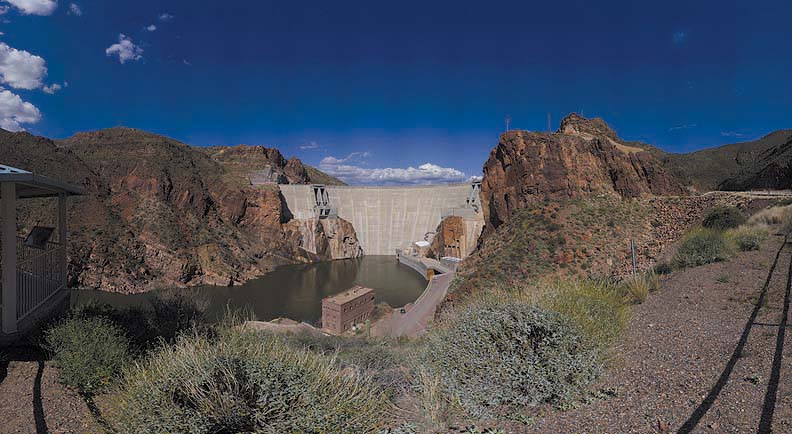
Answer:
x=30 y=185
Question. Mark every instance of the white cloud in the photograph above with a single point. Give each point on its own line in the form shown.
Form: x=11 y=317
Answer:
x=51 y=89
x=427 y=173
x=682 y=127
x=4 y=10
x=34 y=7
x=165 y=17
x=310 y=146
x=14 y=112
x=732 y=134
x=151 y=28
x=74 y=9
x=20 y=69
x=475 y=178
x=125 y=49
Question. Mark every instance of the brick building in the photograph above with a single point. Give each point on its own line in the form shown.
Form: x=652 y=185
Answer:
x=341 y=311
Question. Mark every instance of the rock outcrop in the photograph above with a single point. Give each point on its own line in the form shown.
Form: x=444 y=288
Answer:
x=325 y=239
x=455 y=236
x=584 y=157
x=160 y=213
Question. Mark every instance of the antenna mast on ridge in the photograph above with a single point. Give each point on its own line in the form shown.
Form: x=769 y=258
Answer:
x=549 y=129
x=508 y=121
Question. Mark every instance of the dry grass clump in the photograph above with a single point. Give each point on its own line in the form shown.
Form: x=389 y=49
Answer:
x=746 y=238
x=242 y=382
x=772 y=216
x=637 y=289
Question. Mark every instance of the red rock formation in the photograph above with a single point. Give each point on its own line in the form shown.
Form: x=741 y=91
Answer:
x=160 y=213
x=583 y=158
x=455 y=236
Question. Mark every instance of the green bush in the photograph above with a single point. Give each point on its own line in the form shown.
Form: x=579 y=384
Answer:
x=747 y=238
x=90 y=352
x=495 y=357
x=662 y=268
x=723 y=217
x=241 y=382
x=701 y=246
x=165 y=317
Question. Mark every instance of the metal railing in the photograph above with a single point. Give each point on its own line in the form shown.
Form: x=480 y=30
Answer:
x=40 y=275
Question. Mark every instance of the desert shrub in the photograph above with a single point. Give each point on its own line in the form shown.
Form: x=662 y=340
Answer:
x=496 y=356
x=771 y=216
x=723 y=217
x=164 y=318
x=89 y=352
x=637 y=288
x=242 y=382
x=662 y=268
x=701 y=246
x=747 y=238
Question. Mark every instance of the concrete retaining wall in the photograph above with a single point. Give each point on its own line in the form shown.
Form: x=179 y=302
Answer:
x=385 y=218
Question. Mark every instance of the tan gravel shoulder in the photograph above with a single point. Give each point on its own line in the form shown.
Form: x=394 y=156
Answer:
x=677 y=369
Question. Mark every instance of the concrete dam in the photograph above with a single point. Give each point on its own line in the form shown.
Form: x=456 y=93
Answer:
x=385 y=218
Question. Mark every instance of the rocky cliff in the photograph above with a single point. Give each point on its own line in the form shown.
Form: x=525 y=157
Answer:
x=455 y=236
x=262 y=165
x=162 y=213
x=583 y=158
x=325 y=238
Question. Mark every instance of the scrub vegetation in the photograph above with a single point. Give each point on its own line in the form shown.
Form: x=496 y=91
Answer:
x=507 y=352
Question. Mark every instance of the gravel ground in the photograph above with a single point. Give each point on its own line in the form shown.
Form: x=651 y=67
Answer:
x=32 y=400
x=678 y=345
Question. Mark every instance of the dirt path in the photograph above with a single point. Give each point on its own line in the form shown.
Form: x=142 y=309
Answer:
x=32 y=400
x=699 y=356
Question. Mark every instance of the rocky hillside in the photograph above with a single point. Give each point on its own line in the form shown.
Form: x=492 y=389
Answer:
x=162 y=213
x=760 y=164
x=260 y=164
x=583 y=158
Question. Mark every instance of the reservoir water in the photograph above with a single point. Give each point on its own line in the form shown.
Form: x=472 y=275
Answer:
x=294 y=291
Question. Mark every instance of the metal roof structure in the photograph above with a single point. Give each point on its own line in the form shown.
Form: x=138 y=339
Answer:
x=30 y=185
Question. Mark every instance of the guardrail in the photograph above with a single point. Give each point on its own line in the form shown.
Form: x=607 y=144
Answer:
x=40 y=275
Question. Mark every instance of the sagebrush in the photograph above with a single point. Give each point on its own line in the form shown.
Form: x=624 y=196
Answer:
x=495 y=357
x=90 y=352
x=241 y=382
x=701 y=246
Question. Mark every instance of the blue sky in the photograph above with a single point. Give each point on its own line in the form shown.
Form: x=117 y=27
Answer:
x=366 y=86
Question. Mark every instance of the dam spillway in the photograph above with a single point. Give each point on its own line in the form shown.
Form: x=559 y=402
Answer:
x=386 y=218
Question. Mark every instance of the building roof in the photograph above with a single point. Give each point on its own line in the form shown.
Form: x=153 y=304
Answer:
x=348 y=295
x=30 y=185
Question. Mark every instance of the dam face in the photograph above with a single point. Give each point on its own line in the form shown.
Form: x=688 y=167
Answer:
x=385 y=218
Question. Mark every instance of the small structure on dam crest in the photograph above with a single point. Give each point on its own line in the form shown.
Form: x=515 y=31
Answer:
x=341 y=311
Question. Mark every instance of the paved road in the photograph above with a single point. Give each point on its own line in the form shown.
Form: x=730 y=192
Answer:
x=414 y=322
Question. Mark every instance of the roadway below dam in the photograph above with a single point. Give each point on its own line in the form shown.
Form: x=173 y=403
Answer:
x=385 y=218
